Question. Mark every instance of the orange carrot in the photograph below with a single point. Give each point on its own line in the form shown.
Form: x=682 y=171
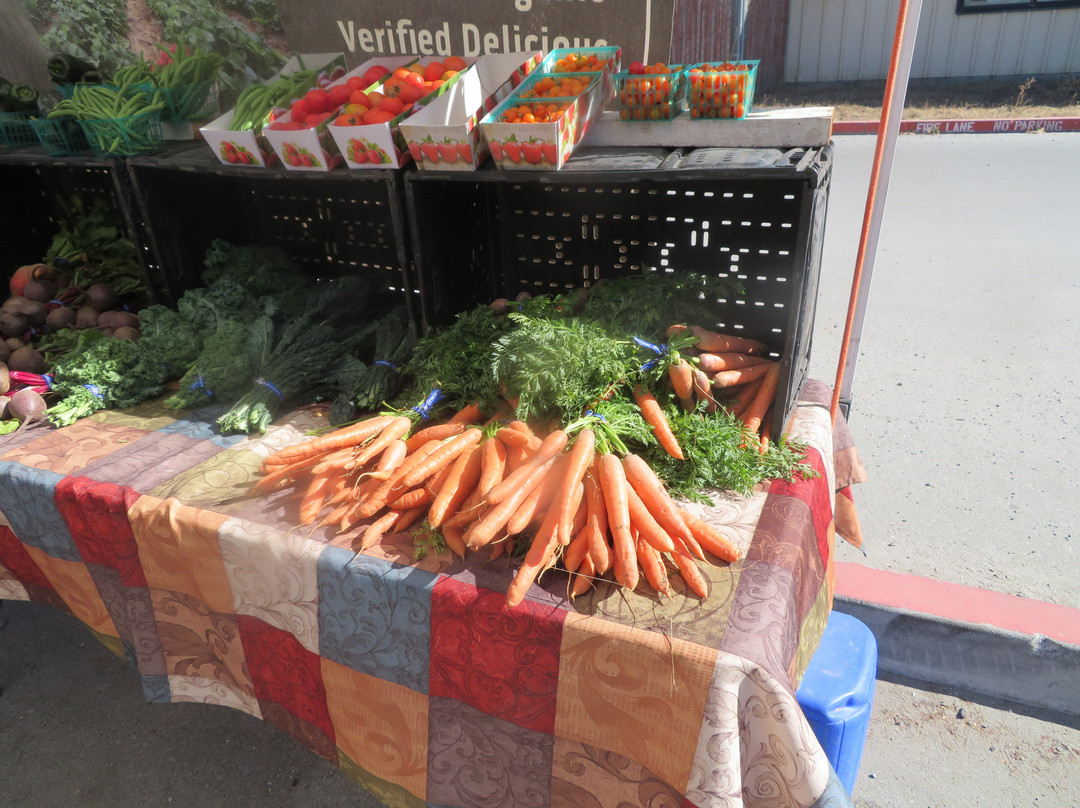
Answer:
x=710 y=539
x=746 y=397
x=390 y=459
x=596 y=524
x=483 y=530
x=577 y=550
x=614 y=484
x=397 y=428
x=679 y=373
x=334 y=461
x=452 y=537
x=390 y=487
x=351 y=435
x=652 y=565
x=287 y=474
x=724 y=343
x=717 y=362
x=492 y=464
x=583 y=580
x=471 y=509
x=729 y=378
x=435 y=432
x=579 y=458
x=469 y=414
x=648 y=528
x=703 y=390
x=569 y=525
x=551 y=446
x=411 y=498
x=460 y=481
x=374 y=531
x=312 y=501
x=655 y=497
x=690 y=572
x=523 y=516
x=541 y=551
x=512 y=437
x=654 y=416
x=446 y=452
x=755 y=412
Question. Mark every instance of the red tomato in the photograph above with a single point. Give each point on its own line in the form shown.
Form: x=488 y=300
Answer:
x=359 y=97
x=415 y=79
x=317 y=100
x=299 y=110
x=410 y=93
x=355 y=83
x=391 y=105
x=338 y=94
x=374 y=74
x=377 y=116
x=434 y=70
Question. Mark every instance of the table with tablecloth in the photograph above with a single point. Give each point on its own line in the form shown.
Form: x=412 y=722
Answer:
x=401 y=664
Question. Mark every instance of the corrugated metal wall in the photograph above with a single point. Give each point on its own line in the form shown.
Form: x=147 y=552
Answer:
x=846 y=40
x=703 y=30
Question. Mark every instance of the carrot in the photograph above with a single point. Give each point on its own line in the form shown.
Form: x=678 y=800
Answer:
x=649 y=529
x=435 y=432
x=523 y=516
x=679 y=373
x=703 y=390
x=552 y=445
x=390 y=459
x=575 y=551
x=500 y=545
x=724 y=343
x=596 y=524
x=471 y=509
x=583 y=579
x=710 y=539
x=569 y=525
x=376 y=529
x=452 y=537
x=483 y=530
x=291 y=473
x=390 y=487
x=412 y=498
x=654 y=416
x=655 y=497
x=351 y=435
x=492 y=464
x=512 y=437
x=334 y=461
x=652 y=565
x=746 y=397
x=728 y=378
x=516 y=457
x=397 y=428
x=541 y=551
x=469 y=414
x=717 y=362
x=312 y=501
x=447 y=451
x=579 y=458
x=614 y=484
x=460 y=481
x=766 y=430
x=690 y=572
x=755 y=411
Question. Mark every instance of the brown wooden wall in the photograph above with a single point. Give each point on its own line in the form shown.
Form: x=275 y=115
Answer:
x=702 y=30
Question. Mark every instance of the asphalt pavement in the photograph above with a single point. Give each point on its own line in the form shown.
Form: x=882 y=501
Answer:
x=964 y=411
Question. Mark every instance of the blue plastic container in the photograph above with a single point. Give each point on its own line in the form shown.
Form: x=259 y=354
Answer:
x=837 y=693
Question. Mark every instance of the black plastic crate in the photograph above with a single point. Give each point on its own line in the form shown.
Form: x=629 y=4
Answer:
x=335 y=223
x=756 y=216
x=34 y=188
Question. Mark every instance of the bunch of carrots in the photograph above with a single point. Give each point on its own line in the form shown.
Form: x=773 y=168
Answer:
x=487 y=485
x=728 y=371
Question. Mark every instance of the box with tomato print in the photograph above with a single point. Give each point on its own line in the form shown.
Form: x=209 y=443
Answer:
x=368 y=130
x=446 y=134
x=249 y=147
x=301 y=136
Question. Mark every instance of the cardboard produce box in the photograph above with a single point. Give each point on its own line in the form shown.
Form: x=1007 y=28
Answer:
x=446 y=133
x=250 y=147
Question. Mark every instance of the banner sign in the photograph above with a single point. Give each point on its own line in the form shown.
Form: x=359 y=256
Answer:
x=361 y=30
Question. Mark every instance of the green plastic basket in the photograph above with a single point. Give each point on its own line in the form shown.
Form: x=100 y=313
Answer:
x=124 y=137
x=715 y=92
x=189 y=102
x=60 y=136
x=650 y=96
x=15 y=129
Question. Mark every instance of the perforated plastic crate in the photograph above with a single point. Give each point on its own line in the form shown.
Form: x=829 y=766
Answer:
x=494 y=234
x=60 y=136
x=15 y=129
x=331 y=224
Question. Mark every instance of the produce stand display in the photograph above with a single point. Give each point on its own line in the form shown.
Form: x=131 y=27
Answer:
x=149 y=524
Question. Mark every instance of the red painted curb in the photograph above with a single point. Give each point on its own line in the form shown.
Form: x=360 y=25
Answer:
x=964 y=604
x=963 y=127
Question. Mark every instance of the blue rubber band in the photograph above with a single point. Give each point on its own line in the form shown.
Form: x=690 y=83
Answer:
x=200 y=382
x=271 y=388
x=659 y=350
x=93 y=388
x=386 y=363
x=425 y=407
x=591 y=414
x=48 y=380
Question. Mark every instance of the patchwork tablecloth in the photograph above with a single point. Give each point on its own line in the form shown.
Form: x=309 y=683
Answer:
x=408 y=672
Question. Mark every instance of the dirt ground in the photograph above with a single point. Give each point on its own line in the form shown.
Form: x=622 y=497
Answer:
x=936 y=99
